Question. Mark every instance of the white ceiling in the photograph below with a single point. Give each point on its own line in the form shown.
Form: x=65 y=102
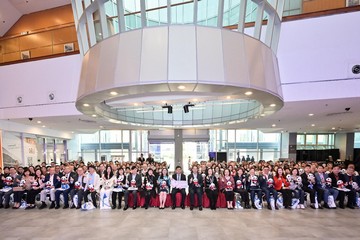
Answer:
x=12 y=10
x=293 y=117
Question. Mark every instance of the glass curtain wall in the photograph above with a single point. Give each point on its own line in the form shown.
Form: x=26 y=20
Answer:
x=314 y=141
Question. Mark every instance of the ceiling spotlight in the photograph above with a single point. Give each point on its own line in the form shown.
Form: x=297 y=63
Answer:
x=333 y=128
x=73 y=132
x=86 y=105
x=262 y=115
x=101 y=126
x=181 y=87
x=38 y=122
x=248 y=93
x=43 y=126
x=228 y=97
x=169 y=108
x=186 y=107
x=94 y=115
x=113 y=93
x=313 y=125
x=51 y=96
x=311 y=114
x=274 y=125
x=136 y=104
x=273 y=105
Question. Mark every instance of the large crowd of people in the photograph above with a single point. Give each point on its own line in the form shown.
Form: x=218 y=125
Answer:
x=241 y=184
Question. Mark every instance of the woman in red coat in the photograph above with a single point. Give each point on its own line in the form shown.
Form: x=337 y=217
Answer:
x=282 y=185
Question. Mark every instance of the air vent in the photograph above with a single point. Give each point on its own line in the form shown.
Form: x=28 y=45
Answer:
x=86 y=121
x=337 y=114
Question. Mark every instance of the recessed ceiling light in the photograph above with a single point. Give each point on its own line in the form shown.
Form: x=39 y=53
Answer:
x=333 y=128
x=311 y=114
x=248 y=93
x=43 y=126
x=274 y=125
x=228 y=97
x=195 y=100
x=114 y=93
x=163 y=102
x=39 y=122
x=313 y=125
x=72 y=132
x=273 y=105
x=136 y=104
x=181 y=87
x=263 y=114
x=86 y=105
x=94 y=115
x=101 y=126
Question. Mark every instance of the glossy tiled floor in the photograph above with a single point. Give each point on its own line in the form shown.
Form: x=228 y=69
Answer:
x=179 y=224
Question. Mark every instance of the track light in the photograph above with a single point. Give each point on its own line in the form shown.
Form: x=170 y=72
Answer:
x=186 y=107
x=169 y=108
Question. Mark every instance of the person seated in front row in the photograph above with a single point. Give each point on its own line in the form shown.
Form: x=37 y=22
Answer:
x=196 y=184
x=351 y=184
x=178 y=176
x=92 y=186
x=309 y=185
x=240 y=187
x=282 y=185
x=211 y=188
x=266 y=181
x=134 y=181
x=51 y=181
x=150 y=185
x=296 y=187
x=67 y=184
x=164 y=183
x=226 y=185
x=253 y=187
x=107 y=183
x=79 y=186
x=36 y=188
x=12 y=182
x=326 y=189
x=118 y=191
x=338 y=181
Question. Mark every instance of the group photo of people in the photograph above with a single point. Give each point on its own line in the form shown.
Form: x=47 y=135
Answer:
x=208 y=184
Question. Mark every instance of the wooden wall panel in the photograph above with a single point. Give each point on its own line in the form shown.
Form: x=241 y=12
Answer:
x=309 y=6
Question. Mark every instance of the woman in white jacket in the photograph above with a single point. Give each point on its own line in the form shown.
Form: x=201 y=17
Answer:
x=92 y=185
x=108 y=179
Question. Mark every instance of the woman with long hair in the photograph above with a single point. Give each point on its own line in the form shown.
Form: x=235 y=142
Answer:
x=164 y=186
x=36 y=187
x=118 y=190
x=226 y=185
x=282 y=185
x=211 y=188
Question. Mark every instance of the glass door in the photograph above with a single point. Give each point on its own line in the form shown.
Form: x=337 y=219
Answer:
x=164 y=152
x=194 y=152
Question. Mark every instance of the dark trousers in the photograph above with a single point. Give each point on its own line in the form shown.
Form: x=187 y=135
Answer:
x=244 y=195
x=287 y=197
x=254 y=191
x=268 y=192
x=351 y=197
x=212 y=196
x=173 y=196
x=198 y=191
x=134 y=193
x=299 y=194
x=311 y=192
x=31 y=195
x=320 y=195
x=229 y=195
x=80 y=193
x=6 y=196
x=17 y=196
x=118 y=195
x=93 y=197
x=65 y=193
x=148 y=195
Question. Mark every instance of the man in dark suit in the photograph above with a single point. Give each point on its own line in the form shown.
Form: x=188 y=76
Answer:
x=309 y=187
x=81 y=180
x=15 y=181
x=54 y=180
x=141 y=158
x=70 y=182
x=349 y=179
x=138 y=182
x=196 y=184
x=178 y=176
x=266 y=188
x=335 y=175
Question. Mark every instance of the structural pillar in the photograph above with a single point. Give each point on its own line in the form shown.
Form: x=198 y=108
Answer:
x=178 y=136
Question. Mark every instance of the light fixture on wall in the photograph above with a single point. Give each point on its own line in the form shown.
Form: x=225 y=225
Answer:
x=169 y=108
x=186 y=107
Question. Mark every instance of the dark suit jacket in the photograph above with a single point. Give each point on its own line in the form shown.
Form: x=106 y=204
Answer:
x=138 y=180
x=208 y=182
x=71 y=175
x=200 y=181
x=242 y=178
x=318 y=180
x=263 y=181
x=182 y=177
x=334 y=179
x=56 y=182
x=348 y=179
x=76 y=178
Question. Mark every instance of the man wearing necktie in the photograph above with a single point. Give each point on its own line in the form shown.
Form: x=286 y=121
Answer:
x=80 y=177
x=178 y=176
x=70 y=180
x=55 y=183
x=137 y=177
x=196 y=184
